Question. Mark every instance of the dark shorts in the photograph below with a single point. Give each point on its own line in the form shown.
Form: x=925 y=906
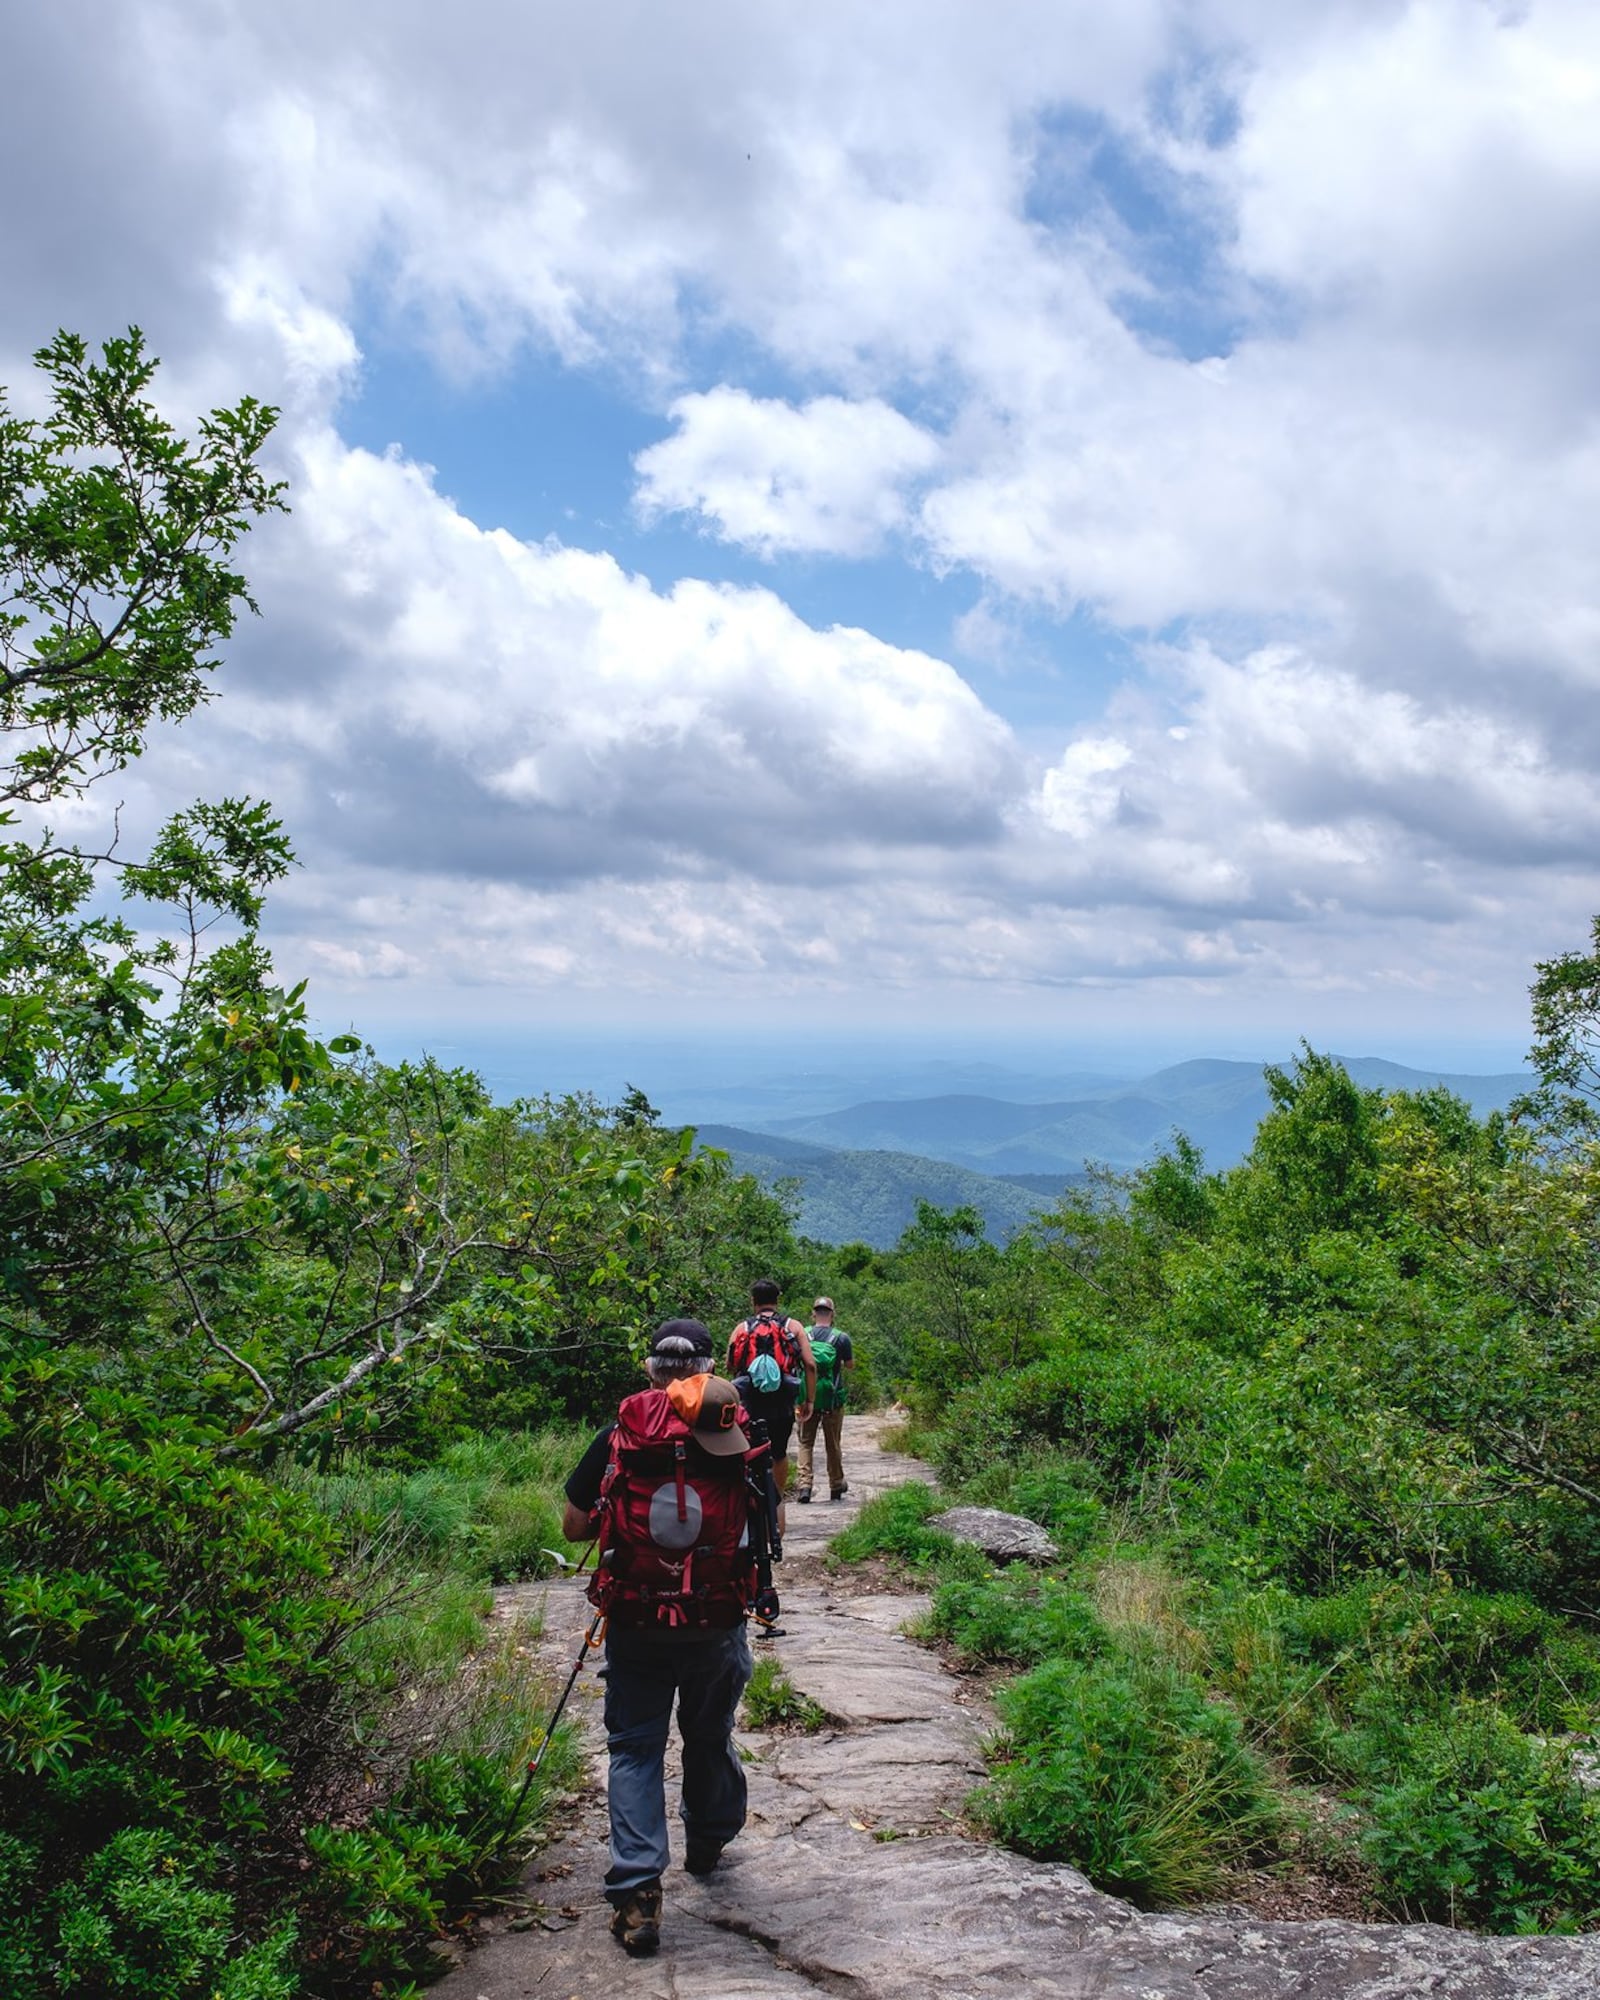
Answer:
x=778 y=1414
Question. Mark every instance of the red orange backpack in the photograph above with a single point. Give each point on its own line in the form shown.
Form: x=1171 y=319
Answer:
x=766 y=1333
x=676 y=1523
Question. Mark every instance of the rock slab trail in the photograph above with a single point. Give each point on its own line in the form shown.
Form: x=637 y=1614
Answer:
x=850 y=1877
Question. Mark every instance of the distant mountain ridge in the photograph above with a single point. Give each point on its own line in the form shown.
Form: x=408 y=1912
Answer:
x=871 y=1197
x=1217 y=1103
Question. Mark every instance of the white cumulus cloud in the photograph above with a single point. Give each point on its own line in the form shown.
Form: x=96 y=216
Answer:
x=1266 y=336
x=825 y=479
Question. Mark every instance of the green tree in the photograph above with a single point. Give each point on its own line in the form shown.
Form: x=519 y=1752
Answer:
x=1315 y=1164
x=136 y=1043
x=1566 y=1042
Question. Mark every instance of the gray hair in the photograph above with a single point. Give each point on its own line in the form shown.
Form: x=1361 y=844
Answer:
x=674 y=1359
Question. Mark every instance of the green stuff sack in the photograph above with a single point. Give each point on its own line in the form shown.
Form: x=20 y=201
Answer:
x=830 y=1375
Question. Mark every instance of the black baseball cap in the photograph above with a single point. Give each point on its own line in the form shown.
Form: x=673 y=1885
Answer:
x=681 y=1338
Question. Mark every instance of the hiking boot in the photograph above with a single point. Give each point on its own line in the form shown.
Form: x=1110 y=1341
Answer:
x=839 y=1492
x=637 y=1923
x=804 y=1496
x=701 y=1856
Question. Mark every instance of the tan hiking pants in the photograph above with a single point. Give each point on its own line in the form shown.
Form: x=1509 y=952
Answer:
x=831 y=1424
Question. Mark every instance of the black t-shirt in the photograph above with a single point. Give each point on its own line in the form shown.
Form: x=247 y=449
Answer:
x=583 y=1488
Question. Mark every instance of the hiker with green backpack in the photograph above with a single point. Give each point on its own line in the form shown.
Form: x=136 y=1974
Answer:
x=835 y=1357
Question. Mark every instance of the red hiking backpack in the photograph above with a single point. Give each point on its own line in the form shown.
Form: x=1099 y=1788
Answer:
x=675 y=1523
x=765 y=1333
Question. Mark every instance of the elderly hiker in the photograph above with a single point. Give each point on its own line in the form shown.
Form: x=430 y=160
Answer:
x=769 y=1359
x=833 y=1355
x=683 y=1506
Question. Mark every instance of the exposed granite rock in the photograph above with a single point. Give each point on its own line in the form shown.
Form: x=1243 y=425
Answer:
x=847 y=1881
x=1002 y=1537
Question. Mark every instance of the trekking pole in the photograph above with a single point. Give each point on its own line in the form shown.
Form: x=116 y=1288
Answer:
x=591 y=1639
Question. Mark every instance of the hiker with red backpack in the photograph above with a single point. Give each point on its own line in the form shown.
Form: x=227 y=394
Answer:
x=770 y=1360
x=834 y=1356
x=680 y=1497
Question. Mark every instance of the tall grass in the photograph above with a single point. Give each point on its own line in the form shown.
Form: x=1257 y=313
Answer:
x=1124 y=1768
x=489 y=1509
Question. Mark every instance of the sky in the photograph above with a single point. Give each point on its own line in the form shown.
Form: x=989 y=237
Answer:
x=1054 y=522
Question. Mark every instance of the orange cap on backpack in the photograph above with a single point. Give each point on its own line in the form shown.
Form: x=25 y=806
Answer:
x=712 y=1406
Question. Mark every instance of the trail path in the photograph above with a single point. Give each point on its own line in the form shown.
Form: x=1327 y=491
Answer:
x=849 y=1878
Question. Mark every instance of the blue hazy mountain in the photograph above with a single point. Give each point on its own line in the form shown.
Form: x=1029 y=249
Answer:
x=871 y=1197
x=1218 y=1104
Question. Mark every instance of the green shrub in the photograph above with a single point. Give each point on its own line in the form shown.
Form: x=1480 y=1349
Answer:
x=1309 y=1477
x=1417 y=1648
x=771 y=1699
x=183 y=1714
x=894 y=1524
x=1487 y=1827
x=1126 y=1770
x=171 y=1630
x=141 y=1923
x=1121 y=1402
x=1016 y=1616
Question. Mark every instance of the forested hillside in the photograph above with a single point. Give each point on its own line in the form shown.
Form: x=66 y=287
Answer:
x=297 y=1346
x=872 y=1197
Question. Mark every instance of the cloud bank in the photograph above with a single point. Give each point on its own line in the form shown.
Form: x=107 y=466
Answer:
x=1260 y=339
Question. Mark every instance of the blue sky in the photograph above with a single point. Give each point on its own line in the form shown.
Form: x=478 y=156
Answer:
x=547 y=450
x=889 y=522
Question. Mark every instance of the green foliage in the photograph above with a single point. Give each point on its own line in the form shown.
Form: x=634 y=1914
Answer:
x=141 y=1922
x=199 y=1762
x=488 y=1507
x=1315 y=1164
x=1125 y=1405
x=1016 y=1617
x=894 y=1524
x=1484 y=1826
x=965 y=1307
x=170 y=1628
x=1425 y=1649
x=115 y=543
x=170 y=1645
x=1126 y=1770
x=771 y=1700
x=114 y=537
x=1566 y=1040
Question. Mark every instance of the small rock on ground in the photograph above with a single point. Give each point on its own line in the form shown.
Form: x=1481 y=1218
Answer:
x=1002 y=1537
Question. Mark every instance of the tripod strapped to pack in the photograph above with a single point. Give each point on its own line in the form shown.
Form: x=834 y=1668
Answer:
x=765 y=1540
